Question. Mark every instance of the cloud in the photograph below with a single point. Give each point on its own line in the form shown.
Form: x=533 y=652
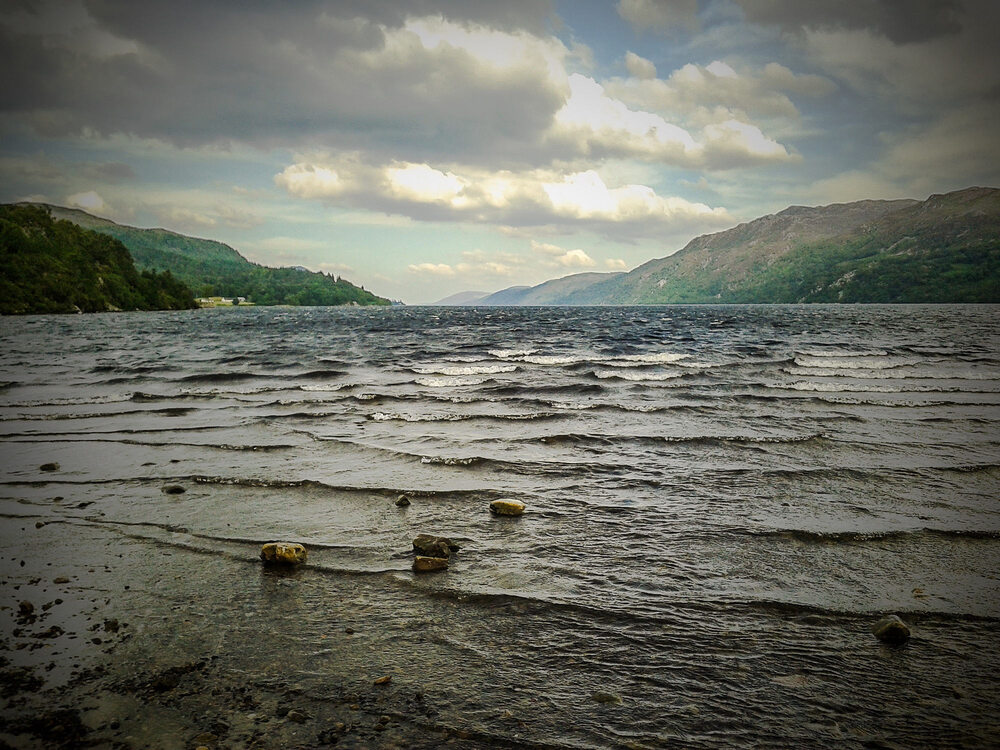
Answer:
x=42 y=168
x=949 y=153
x=615 y=264
x=345 y=75
x=919 y=76
x=434 y=269
x=701 y=95
x=901 y=22
x=529 y=198
x=659 y=15
x=639 y=67
x=88 y=201
x=555 y=256
x=310 y=181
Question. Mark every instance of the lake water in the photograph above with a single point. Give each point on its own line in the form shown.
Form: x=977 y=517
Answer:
x=721 y=500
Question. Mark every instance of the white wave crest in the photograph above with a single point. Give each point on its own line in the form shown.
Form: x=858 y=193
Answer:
x=804 y=385
x=557 y=359
x=509 y=353
x=858 y=362
x=637 y=375
x=655 y=359
x=449 y=381
x=843 y=353
x=453 y=370
x=385 y=416
x=449 y=461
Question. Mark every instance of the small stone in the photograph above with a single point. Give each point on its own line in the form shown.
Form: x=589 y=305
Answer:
x=434 y=546
x=39 y=524
x=60 y=579
x=25 y=608
x=402 y=501
x=174 y=489
x=422 y=564
x=385 y=680
x=602 y=697
x=299 y=717
x=891 y=630
x=283 y=553
x=507 y=507
x=51 y=466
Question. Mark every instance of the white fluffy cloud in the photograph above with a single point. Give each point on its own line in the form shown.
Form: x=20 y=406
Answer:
x=639 y=67
x=703 y=94
x=555 y=256
x=434 y=269
x=535 y=197
x=88 y=200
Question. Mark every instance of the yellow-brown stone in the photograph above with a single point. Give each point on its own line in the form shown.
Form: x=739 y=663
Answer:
x=507 y=507
x=422 y=564
x=283 y=553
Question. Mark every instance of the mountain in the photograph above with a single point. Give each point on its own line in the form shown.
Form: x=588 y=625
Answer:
x=52 y=266
x=462 y=298
x=212 y=268
x=555 y=292
x=944 y=249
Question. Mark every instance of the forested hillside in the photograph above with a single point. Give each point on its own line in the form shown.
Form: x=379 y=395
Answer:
x=212 y=268
x=52 y=266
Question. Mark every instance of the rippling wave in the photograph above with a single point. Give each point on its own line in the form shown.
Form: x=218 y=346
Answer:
x=719 y=502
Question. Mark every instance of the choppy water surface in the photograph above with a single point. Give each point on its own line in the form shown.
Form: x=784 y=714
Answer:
x=721 y=500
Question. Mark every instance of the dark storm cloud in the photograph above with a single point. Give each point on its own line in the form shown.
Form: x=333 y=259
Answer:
x=901 y=21
x=339 y=73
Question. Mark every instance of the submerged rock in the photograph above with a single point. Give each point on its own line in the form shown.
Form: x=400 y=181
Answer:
x=434 y=546
x=423 y=564
x=602 y=696
x=891 y=630
x=402 y=501
x=174 y=489
x=52 y=466
x=507 y=507
x=283 y=553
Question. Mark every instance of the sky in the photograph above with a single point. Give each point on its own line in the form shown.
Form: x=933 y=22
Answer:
x=422 y=148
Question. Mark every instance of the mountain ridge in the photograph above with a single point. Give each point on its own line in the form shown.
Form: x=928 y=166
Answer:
x=213 y=268
x=943 y=249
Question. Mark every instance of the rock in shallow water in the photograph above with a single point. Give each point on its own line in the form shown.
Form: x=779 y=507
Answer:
x=402 y=501
x=283 y=553
x=434 y=546
x=891 y=630
x=422 y=564
x=507 y=507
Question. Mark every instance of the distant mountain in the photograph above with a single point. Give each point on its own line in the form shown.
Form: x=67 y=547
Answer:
x=462 y=298
x=51 y=266
x=944 y=249
x=555 y=292
x=212 y=268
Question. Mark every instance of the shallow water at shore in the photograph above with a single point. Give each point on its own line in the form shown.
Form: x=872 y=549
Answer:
x=720 y=502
